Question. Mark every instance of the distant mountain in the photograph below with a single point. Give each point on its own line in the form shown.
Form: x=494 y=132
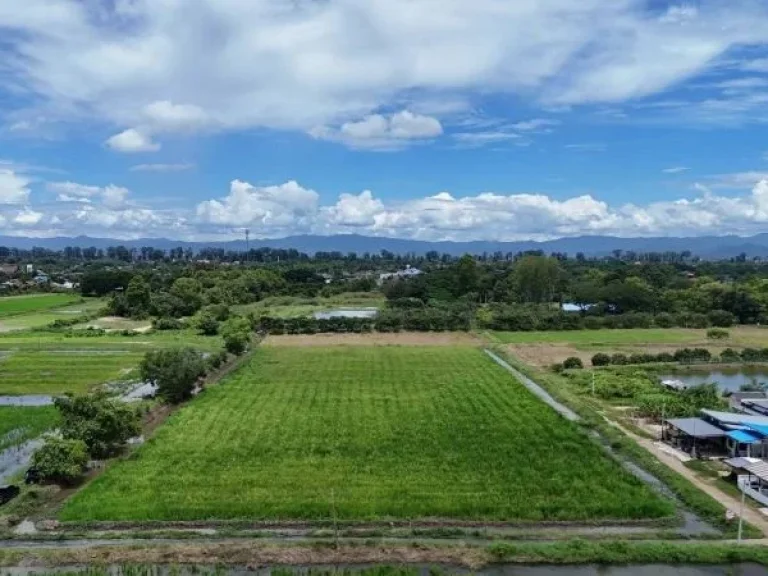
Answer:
x=710 y=247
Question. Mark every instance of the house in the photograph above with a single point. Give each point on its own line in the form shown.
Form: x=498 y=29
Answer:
x=41 y=278
x=408 y=272
x=718 y=434
x=8 y=269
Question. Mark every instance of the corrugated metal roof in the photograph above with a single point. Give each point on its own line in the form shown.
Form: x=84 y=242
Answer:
x=758 y=429
x=743 y=437
x=733 y=418
x=696 y=427
x=754 y=466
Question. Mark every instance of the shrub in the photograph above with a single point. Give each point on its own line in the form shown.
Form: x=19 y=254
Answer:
x=664 y=320
x=718 y=334
x=664 y=357
x=601 y=359
x=174 y=371
x=619 y=360
x=557 y=368
x=207 y=324
x=573 y=363
x=236 y=342
x=593 y=322
x=721 y=318
x=729 y=355
x=167 y=323
x=237 y=334
x=104 y=425
x=220 y=312
x=60 y=460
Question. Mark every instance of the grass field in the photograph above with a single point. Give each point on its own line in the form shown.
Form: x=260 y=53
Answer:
x=601 y=337
x=137 y=342
x=12 y=305
x=367 y=433
x=292 y=306
x=59 y=371
x=40 y=318
x=19 y=424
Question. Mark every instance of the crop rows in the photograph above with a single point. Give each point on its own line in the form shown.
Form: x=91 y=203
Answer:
x=367 y=433
x=55 y=372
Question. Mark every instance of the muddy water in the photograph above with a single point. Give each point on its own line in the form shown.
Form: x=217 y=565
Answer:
x=727 y=379
x=352 y=570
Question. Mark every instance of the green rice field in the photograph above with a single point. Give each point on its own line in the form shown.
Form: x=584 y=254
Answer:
x=12 y=305
x=60 y=371
x=370 y=433
x=19 y=424
x=598 y=337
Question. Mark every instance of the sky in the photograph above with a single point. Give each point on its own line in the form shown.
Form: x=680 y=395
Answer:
x=422 y=119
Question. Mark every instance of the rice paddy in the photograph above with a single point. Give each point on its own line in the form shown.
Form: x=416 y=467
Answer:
x=373 y=433
x=58 y=371
x=19 y=424
x=12 y=305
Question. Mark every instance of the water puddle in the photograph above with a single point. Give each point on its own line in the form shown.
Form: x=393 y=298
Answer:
x=16 y=459
x=27 y=400
x=346 y=313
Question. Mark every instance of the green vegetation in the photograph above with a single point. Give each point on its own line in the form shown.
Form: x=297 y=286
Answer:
x=367 y=433
x=21 y=423
x=60 y=460
x=174 y=371
x=605 y=337
x=50 y=371
x=13 y=305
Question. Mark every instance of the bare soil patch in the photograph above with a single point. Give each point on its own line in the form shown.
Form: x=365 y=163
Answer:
x=376 y=339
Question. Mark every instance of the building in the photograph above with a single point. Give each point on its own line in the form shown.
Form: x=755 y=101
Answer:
x=41 y=278
x=718 y=434
x=408 y=272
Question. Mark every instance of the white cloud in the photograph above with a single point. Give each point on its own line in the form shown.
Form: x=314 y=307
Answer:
x=271 y=207
x=675 y=170
x=738 y=179
x=587 y=147
x=14 y=188
x=132 y=140
x=179 y=167
x=354 y=210
x=172 y=65
x=383 y=132
x=536 y=125
x=111 y=196
x=27 y=217
x=757 y=65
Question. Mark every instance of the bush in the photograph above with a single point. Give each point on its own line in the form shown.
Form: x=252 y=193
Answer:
x=207 y=324
x=237 y=335
x=601 y=359
x=60 y=460
x=664 y=320
x=721 y=318
x=619 y=360
x=664 y=357
x=167 y=323
x=104 y=425
x=573 y=363
x=718 y=334
x=729 y=355
x=174 y=371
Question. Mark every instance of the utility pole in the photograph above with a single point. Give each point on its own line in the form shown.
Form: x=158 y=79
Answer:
x=741 y=512
x=593 y=382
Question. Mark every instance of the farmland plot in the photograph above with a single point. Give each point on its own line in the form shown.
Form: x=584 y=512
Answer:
x=12 y=305
x=59 y=371
x=367 y=433
x=19 y=424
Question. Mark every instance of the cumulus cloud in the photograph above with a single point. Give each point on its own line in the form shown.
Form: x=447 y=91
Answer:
x=27 y=217
x=383 y=132
x=111 y=195
x=14 y=188
x=132 y=140
x=175 y=65
x=286 y=206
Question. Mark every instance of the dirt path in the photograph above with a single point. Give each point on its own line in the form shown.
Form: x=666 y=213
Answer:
x=731 y=503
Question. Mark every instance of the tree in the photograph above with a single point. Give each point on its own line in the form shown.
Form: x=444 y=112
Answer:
x=104 y=425
x=207 y=324
x=60 y=460
x=138 y=297
x=174 y=371
x=190 y=293
x=573 y=363
x=467 y=276
x=236 y=333
x=601 y=359
x=535 y=278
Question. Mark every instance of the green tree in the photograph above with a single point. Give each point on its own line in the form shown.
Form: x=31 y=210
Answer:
x=138 y=297
x=536 y=278
x=467 y=276
x=207 y=324
x=174 y=371
x=190 y=294
x=104 y=425
x=237 y=335
x=60 y=460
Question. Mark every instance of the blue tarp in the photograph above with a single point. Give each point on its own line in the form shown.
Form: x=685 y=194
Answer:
x=743 y=437
x=758 y=429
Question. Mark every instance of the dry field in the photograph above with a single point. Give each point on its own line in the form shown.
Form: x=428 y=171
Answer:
x=376 y=339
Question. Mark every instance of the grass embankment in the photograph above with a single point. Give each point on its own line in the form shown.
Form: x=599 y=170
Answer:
x=60 y=371
x=82 y=340
x=367 y=434
x=590 y=410
x=21 y=423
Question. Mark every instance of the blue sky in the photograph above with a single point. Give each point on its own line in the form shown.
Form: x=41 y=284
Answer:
x=433 y=119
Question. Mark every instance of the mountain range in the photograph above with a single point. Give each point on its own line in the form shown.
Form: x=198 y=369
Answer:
x=708 y=247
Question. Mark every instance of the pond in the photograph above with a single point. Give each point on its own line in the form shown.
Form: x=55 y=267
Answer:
x=727 y=379
x=346 y=313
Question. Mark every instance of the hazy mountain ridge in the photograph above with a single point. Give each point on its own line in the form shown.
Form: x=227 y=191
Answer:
x=703 y=246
